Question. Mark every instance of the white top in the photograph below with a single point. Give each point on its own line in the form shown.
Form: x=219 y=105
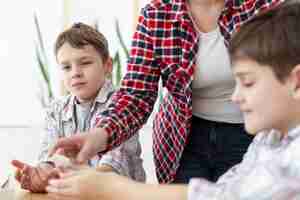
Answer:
x=213 y=82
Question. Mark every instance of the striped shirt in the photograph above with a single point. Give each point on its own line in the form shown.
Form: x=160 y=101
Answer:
x=62 y=121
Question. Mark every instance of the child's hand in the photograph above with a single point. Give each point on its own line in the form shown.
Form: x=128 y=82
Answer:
x=88 y=184
x=20 y=169
x=34 y=179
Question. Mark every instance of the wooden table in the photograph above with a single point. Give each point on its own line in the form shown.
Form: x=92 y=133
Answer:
x=16 y=193
x=22 y=195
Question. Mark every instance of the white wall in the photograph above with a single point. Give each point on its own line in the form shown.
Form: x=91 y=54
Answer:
x=19 y=78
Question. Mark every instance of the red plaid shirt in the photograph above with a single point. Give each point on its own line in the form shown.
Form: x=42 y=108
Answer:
x=164 y=46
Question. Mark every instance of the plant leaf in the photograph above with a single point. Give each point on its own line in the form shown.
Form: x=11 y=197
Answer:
x=44 y=71
x=119 y=35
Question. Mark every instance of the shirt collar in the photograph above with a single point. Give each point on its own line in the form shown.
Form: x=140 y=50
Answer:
x=105 y=92
x=275 y=137
x=182 y=13
x=294 y=133
x=102 y=97
x=181 y=10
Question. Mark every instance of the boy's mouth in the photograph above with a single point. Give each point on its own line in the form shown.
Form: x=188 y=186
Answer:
x=79 y=84
x=246 y=112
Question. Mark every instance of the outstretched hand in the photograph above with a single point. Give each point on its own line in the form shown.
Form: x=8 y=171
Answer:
x=34 y=179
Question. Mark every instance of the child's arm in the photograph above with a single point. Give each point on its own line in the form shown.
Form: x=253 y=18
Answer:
x=51 y=131
x=93 y=185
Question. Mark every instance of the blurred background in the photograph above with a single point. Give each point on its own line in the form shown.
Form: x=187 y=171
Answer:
x=30 y=76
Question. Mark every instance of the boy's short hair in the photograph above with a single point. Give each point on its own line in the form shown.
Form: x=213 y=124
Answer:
x=79 y=35
x=272 y=39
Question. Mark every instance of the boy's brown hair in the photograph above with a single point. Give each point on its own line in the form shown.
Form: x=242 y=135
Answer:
x=272 y=39
x=79 y=35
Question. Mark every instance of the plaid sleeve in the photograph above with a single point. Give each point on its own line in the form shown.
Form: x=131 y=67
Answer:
x=133 y=103
x=239 y=12
x=259 y=5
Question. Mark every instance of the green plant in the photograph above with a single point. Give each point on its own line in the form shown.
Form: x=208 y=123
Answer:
x=42 y=62
x=117 y=61
x=117 y=57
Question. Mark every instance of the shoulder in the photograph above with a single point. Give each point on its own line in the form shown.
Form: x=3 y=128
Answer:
x=58 y=105
x=294 y=147
x=260 y=137
x=161 y=4
x=163 y=7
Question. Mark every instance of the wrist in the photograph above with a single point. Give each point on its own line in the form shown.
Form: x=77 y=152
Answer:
x=102 y=136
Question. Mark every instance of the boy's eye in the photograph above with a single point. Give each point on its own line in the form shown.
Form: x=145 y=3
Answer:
x=86 y=63
x=248 y=84
x=66 y=68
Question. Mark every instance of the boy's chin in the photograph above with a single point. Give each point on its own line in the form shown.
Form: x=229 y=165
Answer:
x=251 y=130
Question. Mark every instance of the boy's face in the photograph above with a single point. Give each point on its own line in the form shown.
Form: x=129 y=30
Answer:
x=83 y=71
x=266 y=103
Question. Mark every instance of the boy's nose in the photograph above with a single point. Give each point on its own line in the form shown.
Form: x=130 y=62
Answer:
x=76 y=72
x=236 y=96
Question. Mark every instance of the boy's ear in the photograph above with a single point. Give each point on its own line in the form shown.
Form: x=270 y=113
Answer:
x=295 y=75
x=108 y=65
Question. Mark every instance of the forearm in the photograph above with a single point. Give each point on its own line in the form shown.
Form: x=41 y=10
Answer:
x=133 y=103
x=159 y=192
x=120 y=121
x=138 y=191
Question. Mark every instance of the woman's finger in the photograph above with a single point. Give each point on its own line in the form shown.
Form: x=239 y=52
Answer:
x=66 y=143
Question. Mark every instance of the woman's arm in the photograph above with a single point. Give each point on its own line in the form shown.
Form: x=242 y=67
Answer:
x=133 y=103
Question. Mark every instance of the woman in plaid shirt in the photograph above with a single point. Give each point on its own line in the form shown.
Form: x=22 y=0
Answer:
x=183 y=43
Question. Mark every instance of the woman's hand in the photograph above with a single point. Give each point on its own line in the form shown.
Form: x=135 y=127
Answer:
x=34 y=179
x=85 y=145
